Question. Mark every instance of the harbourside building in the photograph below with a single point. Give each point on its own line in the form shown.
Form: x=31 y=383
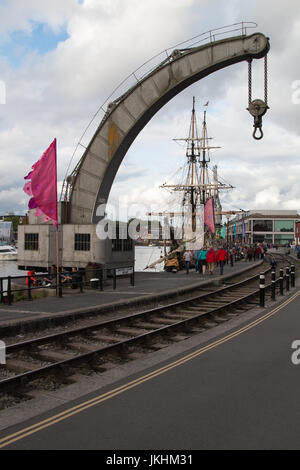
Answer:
x=276 y=227
x=78 y=244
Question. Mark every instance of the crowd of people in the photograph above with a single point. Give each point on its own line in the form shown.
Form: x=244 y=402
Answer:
x=208 y=258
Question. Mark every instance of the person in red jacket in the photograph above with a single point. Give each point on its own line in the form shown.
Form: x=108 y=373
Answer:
x=211 y=259
x=258 y=252
x=221 y=257
x=31 y=275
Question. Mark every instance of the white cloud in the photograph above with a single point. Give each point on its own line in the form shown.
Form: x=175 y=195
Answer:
x=55 y=95
x=17 y=15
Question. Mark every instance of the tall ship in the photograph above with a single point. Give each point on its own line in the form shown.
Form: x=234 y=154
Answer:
x=194 y=195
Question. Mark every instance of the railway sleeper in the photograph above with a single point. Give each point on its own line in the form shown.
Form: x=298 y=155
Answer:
x=214 y=304
x=130 y=331
x=82 y=347
x=108 y=339
x=178 y=317
x=194 y=311
x=20 y=366
x=163 y=321
x=146 y=325
x=54 y=356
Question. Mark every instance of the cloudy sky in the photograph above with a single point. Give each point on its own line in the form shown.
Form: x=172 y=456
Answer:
x=60 y=60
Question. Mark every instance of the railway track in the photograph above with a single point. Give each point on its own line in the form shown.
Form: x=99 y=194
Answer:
x=100 y=346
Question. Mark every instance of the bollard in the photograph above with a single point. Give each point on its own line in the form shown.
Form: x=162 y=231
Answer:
x=101 y=279
x=114 y=279
x=287 y=278
x=9 y=290
x=281 y=281
x=273 y=286
x=262 y=290
x=132 y=279
x=1 y=290
x=29 y=288
x=292 y=275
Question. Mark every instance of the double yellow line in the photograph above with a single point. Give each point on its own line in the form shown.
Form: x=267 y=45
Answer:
x=5 y=441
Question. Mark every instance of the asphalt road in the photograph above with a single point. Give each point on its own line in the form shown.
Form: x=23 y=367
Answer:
x=238 y=392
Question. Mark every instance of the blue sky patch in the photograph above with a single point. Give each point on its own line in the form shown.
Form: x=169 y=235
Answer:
x=41 y=40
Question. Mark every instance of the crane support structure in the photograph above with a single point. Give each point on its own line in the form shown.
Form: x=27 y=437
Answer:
x=92 y=179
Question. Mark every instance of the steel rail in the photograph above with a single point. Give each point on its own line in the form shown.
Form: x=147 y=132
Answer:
x=21 y=379
x=107 y=324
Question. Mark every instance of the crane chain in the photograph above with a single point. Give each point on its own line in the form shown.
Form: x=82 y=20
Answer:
x=257 y=108
x=266 y=78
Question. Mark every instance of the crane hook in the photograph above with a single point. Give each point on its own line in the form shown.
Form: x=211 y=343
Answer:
x=254 y=132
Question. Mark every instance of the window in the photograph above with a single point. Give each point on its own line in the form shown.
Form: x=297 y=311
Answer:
x=31 y=241
x=82 y=241
x=122 y=242
x=284 y=226
x=283 y=239
x=260 y=238
x=262 y=225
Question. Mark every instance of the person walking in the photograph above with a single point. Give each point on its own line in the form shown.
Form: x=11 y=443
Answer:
x=202 y=263
x=222 y=256
x=211 y=259
x=187 y=255
x=258 y=252
x=250 y=252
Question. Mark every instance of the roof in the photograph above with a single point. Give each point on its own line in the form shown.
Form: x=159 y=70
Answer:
x=257 y=215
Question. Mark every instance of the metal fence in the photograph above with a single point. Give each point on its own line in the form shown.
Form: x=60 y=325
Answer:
x=94 y=278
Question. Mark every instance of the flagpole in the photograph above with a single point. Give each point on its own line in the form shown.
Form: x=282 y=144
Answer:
x=57 y=264
x=58 y=287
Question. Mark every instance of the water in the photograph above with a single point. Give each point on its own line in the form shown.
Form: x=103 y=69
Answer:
x=144 y=255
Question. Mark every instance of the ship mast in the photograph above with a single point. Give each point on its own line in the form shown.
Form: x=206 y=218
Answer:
x=193 y=162
x=197 y=184
x=197 y=187
x=203 y=161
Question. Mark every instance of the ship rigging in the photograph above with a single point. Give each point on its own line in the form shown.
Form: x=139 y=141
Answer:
x=197 y=186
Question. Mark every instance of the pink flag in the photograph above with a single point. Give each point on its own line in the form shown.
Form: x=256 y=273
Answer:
x=43 y=185
x=209 y=214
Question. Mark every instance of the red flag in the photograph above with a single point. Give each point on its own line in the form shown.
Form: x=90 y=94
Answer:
x=209 y=215
x=43 y=185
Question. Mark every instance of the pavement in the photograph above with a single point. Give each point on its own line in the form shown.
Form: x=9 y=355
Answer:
x=237 y=390
x=149 y=287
